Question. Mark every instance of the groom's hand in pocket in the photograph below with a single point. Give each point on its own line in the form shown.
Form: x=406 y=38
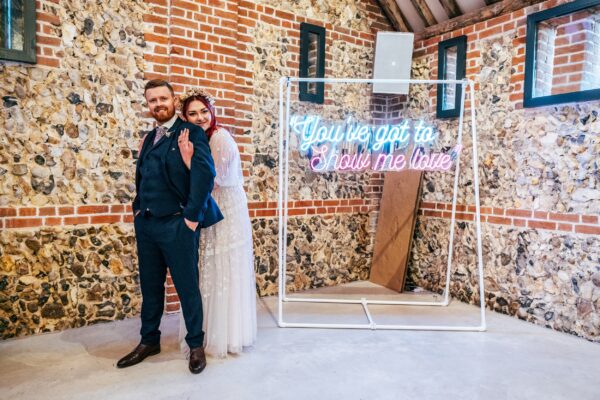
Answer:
x=190 y=224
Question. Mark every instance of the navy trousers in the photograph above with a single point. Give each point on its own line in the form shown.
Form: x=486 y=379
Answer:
x=167 y=242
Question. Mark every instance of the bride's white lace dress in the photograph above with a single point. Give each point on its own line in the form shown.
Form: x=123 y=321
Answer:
x=227 y=281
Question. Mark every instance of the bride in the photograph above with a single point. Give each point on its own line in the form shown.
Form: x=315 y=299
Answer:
x=227 y=280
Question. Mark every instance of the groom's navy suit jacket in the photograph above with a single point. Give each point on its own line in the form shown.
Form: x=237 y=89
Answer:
x=191 y=189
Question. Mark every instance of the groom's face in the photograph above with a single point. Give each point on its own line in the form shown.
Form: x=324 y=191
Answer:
x=161 y=103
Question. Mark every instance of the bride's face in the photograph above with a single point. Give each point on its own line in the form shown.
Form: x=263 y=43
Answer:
x=198 y=114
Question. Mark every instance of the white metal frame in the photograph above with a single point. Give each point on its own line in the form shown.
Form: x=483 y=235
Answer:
x=284 y=136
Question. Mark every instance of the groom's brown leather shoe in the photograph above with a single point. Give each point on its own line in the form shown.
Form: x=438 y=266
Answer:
x=138 y=355
x=197 y=360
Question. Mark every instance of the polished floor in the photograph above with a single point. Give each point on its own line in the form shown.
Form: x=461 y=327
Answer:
x=512 y=360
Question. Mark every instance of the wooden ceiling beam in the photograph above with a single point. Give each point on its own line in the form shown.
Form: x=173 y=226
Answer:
x=489 y=12
x=394 y=15
x=451 y=7
x=424 y=11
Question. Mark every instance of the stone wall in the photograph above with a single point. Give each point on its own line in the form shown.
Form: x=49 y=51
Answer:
x=58 y=278
x=73 y=121
x=539 y=190
x=71 y=126
x=69 y=131
x=317 y=251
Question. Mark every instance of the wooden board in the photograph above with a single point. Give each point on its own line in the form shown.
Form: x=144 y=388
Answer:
x=395 y=226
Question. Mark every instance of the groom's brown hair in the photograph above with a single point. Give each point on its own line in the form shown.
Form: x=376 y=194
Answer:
x=154 y=83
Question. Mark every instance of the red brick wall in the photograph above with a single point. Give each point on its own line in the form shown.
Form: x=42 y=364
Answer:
x=48 y=39
x=564 y=222
x=576 y=61
x=544 y=61
x=567 y=54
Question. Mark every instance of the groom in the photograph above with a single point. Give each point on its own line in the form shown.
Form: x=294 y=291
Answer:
x=170 y=204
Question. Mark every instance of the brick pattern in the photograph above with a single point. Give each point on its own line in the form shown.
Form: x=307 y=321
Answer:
x=33 y=217
x=171 y=298
x=450 y=90
x=387 y=108
x=544 y=60
x=576 y=49
x=193 y=43
x=311 y=207
x=48 y=33
x=567 y=54
x=560 y=222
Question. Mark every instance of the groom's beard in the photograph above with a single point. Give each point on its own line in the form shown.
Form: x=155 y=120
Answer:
x=162 y=114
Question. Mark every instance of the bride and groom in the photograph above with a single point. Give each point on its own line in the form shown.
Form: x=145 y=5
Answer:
x=189 y=184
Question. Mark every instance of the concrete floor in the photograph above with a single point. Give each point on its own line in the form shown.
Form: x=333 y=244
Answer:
x=512 y=360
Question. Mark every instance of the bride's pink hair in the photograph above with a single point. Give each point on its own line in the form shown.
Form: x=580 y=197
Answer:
x=213 y=120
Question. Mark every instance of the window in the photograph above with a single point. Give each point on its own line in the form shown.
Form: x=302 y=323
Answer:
x=452 y=55
x=312 y=62
x=17 y=30
x=562 y=58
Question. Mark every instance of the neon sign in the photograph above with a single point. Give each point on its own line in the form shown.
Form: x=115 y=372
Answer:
x=354 y=147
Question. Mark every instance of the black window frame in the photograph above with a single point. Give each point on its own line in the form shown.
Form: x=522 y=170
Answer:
x=460 y=42
x=306 y=30
x=28 y=54
x=530 y=56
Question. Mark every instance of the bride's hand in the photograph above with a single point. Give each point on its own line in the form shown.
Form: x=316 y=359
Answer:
x=186 y=148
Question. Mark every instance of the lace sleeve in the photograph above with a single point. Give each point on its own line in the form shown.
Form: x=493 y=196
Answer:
x=226 y=156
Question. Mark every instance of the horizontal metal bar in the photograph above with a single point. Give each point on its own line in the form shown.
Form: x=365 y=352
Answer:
x=477 y=328
x=356 y=301
x=407 y=303
x=327 y=326
x=377 y=80
x=449 y=328
x=318 y=300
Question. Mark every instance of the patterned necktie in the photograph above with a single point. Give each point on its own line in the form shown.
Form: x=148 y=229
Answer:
x=160 y=132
